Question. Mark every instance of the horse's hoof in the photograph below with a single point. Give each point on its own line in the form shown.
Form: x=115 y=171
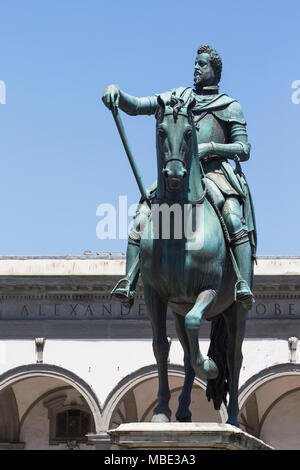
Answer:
x=207 y=370
x=233 y=422
x=188 y=419
x=160 y=418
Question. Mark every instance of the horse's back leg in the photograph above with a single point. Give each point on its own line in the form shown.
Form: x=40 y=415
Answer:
x=183 y=413
x=235 y=318
x=204 y=368
x=157 y=311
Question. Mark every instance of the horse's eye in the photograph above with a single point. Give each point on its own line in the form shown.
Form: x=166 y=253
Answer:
x=162 y=133
x=188 y=134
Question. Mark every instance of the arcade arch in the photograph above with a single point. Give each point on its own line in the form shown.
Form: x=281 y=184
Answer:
x=270 y=406
x=134 y=398
x=34 y=396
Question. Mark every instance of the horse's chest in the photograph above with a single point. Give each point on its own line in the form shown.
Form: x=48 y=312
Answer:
x=179 y=268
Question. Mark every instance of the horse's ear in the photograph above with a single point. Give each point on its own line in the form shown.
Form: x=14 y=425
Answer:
x=161 y=102
x=191 y=105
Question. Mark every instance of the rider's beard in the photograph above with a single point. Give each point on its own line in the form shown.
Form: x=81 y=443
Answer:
x=197 y=80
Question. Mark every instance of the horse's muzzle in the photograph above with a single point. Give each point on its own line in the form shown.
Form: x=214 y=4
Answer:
x=175 y=184
x=174 y=177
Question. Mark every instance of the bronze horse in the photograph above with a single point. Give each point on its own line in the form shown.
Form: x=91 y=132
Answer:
x=193 y=273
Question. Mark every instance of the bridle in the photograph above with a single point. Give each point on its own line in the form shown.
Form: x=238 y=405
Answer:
x=168 y=160
x=176 y=159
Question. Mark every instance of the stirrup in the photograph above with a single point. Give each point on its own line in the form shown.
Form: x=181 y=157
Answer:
x=243 y=294
x=124 y=294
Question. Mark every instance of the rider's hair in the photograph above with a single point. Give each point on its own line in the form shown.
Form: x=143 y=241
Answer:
x=215 y=59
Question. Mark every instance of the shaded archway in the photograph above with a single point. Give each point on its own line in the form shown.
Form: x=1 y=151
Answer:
x=270 y=406
x=11 y=377
x=134 y=398
x=9 y=420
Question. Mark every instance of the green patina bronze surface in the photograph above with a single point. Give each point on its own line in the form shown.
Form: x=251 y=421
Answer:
x=206 y=272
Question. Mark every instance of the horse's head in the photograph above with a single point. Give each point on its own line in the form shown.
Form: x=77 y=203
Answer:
x=174 y=140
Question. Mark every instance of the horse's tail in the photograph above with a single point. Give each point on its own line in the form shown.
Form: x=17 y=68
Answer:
x=217 y=389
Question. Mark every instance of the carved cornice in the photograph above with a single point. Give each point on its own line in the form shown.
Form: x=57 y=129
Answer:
x=62 y=285
x=40 y=286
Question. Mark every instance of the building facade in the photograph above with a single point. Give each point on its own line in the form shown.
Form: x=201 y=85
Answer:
x=73 y=362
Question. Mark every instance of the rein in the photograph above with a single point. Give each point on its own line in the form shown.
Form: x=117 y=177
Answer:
x=204 y=185
x=202 y=198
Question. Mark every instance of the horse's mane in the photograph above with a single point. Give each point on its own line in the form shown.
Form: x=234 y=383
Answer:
x=176 y=104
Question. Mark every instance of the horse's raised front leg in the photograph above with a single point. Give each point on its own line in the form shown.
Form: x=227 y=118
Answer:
x=204 y=368
x=157 y=311
x=183 y=413
x=235 y=317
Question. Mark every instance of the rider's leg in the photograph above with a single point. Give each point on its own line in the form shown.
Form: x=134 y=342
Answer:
x=214 y=193
x=240 y=246
x=231 y=212
x=124 y=290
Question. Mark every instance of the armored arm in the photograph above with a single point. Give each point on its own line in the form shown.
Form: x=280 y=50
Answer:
x=134 y=106
x=239 y=144
x=131 y=105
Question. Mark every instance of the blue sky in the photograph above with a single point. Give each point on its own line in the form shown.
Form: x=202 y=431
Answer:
x=60 y=154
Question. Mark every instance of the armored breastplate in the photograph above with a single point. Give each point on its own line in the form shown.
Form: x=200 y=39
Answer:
x=210 y=129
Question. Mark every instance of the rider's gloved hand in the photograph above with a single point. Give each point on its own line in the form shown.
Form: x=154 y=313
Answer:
x=204 y=150
x=111 y=96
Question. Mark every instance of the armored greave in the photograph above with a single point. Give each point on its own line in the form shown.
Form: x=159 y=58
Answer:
x=241 y=248
x=124 y=290
x=133 y=262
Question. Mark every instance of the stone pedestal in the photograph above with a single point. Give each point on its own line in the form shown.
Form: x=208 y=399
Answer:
x=101 y=441
x=179 y=436
x=12 y=445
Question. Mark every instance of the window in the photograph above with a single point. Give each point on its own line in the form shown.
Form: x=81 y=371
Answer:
x=69 y=422
x=72 y=424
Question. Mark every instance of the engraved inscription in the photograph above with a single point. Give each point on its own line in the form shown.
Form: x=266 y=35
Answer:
x=94 y=310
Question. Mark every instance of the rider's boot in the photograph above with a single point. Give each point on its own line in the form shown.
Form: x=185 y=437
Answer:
x=124 y=290
x=241 y=250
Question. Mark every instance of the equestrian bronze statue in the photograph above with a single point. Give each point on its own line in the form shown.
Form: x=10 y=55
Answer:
x=202 y=265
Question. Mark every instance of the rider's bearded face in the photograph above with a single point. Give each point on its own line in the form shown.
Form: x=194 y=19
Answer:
x=204 y=74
